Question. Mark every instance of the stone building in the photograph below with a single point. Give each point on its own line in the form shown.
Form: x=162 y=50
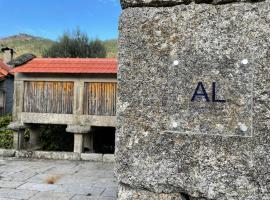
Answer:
x=76 y=92
x=193 y=111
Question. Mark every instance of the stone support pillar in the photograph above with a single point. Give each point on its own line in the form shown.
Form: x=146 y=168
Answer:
x=34 y=142
x=18 y=134
x=79 y=132
x=78 y=142
x=18 y=139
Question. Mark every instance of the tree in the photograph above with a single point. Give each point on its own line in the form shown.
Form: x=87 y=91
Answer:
x=76 y=45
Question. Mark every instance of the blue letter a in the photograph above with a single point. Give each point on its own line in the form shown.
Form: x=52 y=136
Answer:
x=196 y=93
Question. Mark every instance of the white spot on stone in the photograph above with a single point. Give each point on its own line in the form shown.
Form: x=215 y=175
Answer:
x=176 y=62
x=243 y=127
x=136 y=140
x=174 y=124
x=158 y=33
x=244 y=62
x=220 y=127
x=164 y=46
x=145 y=133
x=215 y=71
x=123 y=106
x=130 y=144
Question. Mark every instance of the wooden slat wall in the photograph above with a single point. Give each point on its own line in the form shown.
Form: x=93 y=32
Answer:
x=100 y=99
x=48 y=97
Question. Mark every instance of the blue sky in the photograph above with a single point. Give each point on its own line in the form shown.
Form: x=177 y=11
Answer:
x=50 y=18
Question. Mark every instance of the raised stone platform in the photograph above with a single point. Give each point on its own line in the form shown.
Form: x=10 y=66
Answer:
x=52 y=155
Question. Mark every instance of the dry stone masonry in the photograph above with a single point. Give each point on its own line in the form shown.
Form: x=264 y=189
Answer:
x=194 y=94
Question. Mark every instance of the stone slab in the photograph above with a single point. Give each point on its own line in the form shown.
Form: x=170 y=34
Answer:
x=16 y=194
x=81 y=189
x=83 y=197
x=55 y=179
x=77 y=129
x=56 y=155
x=10 y=184
x=91 y=157
x=23 y=154
x=7 y=152
x=20 y=176
x=108 y=158
x=110 y=192
x=95 y=157
x=52 y=118
x=52 y=196
x=165 y=142
x=38 y=187
x=15 y=126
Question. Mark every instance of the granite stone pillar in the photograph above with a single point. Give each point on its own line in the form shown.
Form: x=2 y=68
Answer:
x=78 y=142
x=18 y=139
x=18 y=134
x=193 y=110
x=79 y=132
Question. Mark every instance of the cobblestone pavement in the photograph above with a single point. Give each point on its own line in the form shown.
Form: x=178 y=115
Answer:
x=47 y=179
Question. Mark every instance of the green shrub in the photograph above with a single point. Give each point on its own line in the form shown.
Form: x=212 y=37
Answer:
x=6 y=136
x=6 y=139
x=76 y=45
x=55 y=138
x=5 y=120
x=26 y=135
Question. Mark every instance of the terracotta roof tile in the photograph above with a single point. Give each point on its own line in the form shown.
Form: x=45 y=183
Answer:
x=69 y=65
x=4 y=69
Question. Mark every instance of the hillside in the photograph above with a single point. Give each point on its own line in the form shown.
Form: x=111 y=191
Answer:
x=24 y=43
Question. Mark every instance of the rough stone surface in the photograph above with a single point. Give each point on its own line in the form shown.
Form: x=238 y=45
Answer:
x=52 y=155
x=96 y=157
x=7 y=153
x=108 y=158
x=56 y=155
x=126 y=193
x=23 y=154
x=15 y=126
x=162 y=3
x=209 y=150
x=78 y=129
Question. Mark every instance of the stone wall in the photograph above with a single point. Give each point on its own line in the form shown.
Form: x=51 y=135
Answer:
x=193 y=109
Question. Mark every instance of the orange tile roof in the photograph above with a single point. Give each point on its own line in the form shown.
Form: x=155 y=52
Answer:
x=69 y=65
x=4 y=69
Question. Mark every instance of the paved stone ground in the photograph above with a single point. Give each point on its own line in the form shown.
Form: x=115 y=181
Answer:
x=46 y=179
